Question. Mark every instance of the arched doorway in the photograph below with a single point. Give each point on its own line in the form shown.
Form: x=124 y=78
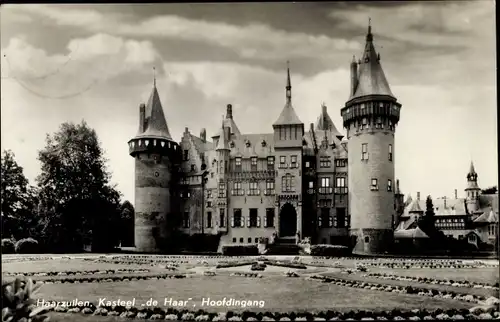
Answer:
x=288 y=221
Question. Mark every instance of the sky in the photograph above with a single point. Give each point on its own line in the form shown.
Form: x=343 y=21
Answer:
x=68 y=63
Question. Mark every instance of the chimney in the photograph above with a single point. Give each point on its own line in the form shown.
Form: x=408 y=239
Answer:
x=186 y=130
x=456 y=194
x=354 y=75
x=444 y=199
x=229 y=111
x=418 y=196
x=312 y=127
x=142 y=118
x=323 y=108
x=203 y=135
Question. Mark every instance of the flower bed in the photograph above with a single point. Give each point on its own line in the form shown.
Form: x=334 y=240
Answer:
x=426 y=280
x=258 y=267
x=89 y=272
x=257 y=275
x=26 y=259
x=107 y=279
x=160 y=313
x=400 y=289
x=286 y=264
x=430 y=264
x=235 y=264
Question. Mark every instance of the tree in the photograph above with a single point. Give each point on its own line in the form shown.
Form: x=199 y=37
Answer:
x=18 y=199
x=78 y=202
x=127 y=218
x=490 y=190
x=427 y=222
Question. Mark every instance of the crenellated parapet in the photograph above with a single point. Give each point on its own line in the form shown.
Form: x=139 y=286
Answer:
x=384 y=108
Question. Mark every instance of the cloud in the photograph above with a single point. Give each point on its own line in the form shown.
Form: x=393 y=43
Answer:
x=92 y=60
x=250 y=41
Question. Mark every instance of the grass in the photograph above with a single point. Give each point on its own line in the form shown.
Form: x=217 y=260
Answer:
x=62 y=265
x=278 y=293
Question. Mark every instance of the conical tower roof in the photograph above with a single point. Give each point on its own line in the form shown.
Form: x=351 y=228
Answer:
x=371 y=77
x=155 y=123
x=471 y=169
x=325 y=123
x=288 y=115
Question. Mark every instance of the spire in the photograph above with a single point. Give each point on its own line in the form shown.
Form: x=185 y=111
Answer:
x=288 y=115
x=370 y=78
x=155 y=124
x=154 y=77
x=471 y=169
x=288 y=85
x=398 y=190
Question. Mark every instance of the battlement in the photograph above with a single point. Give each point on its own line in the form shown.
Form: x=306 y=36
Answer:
x=162 y=147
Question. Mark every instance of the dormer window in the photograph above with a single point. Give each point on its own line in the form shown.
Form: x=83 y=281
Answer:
x=247 y=143
x=237 y=163
x=231 y=145
x=263 y=143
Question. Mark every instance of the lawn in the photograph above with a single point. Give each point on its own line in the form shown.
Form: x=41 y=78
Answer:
x=277 y=293
x=62 y=265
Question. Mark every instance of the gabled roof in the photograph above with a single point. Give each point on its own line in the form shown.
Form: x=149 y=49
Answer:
x=288 y=115
x=487 y=217
x=415 y=206
x=371 y=77
x=222 y=141
x=155 y=122
x=410 y=233
x=325 y=123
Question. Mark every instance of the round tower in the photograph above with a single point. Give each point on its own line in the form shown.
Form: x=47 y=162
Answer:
x=370 y=117
x=156 y=159
x=472 y=191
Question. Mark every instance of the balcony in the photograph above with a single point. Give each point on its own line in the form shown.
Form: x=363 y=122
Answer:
x=341 y=190
x=269 y=192
x=253 y=192
x=325 y=190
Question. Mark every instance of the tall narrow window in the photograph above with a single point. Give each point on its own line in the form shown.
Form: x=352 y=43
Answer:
x=185 y=220
x=293 y=161
x=209 y=219
x=364 y=151
x=379 y=124
x=270 y=163
x=340 y=185
x=390 y=152
x=363 y=123
x=324 y=162
x=253 y=188
x=325 y=187
x=237 y=163
x=222 y=190
x=282 y=164
x=287 y=184
x=269 y=187
x=237 y=189
x=389 y=185
x=374 y=185
x=253 y=163
x=269 y=219
x=222 y=217
x=237 y=218
x=253 y=217
x=185 y=155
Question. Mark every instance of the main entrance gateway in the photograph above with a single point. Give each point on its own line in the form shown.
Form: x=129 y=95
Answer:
x=288 y=221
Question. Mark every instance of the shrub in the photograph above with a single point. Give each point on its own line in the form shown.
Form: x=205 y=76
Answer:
x=26 y=246
x=17 y=301
x=8 y=246
x=243 y=250
x=329 y=250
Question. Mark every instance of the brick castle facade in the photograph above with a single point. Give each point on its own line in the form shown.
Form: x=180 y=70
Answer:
x=297 y=179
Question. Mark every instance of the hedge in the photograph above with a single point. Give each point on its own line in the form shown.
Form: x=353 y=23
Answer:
x=243 y=250
x=330 y=250
x=26 y=246
x=8 y=246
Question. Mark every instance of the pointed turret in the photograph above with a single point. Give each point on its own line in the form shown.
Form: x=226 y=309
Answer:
x=155 y=125
x=370 y=79
x=229 y=121
x=325 y=123
x=288 y=115
x=472 y=191
x=222 y=141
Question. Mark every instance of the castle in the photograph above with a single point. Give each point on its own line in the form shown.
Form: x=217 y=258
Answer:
x=312 y=181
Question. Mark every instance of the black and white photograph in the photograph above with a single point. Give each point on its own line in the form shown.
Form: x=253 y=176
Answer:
x=249 y=161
